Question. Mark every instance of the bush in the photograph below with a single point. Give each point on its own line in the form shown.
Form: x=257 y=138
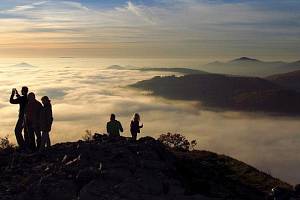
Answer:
x=5 y=143
x=88 y=135
x=177 y=141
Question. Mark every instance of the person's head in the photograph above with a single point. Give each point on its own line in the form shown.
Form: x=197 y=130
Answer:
x=136 y=117
x=31 y=97
x=45 y=100
x=24 y=90
x=112 y=117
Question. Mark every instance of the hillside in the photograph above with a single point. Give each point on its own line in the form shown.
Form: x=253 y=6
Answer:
x=116 y=67
x=225 y=92
x=245 y=66
x=175 y=69
x=119 y=168
x=22 y=65
x=289 y=80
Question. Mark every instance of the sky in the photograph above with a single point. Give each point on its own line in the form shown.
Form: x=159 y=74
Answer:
x=150 y=28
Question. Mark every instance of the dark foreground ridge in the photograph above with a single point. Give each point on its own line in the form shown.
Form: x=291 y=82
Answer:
x=109 y=168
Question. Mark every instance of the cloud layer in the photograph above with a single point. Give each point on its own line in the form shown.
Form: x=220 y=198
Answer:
x=84 y=94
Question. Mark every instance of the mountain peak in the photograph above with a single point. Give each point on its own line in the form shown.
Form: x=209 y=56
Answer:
x=116 y=67
x=22 y=65
x=243 y=59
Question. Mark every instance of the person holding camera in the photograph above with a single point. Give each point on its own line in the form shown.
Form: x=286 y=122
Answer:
x=22 y=100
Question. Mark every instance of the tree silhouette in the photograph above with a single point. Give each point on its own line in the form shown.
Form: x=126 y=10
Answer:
x=177 y=141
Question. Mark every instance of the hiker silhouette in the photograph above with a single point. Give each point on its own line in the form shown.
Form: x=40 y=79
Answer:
x=46 y=119
x=32 y=115
x=135 y=126
x=114 y=127
x=20 y=125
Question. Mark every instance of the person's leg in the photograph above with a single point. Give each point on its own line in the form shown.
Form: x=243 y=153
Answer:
x=48 y=140
x=38 y=137
x=26 y=135
x=31 y=137
x=43 y=141
x=133 y=134
x=18 y=133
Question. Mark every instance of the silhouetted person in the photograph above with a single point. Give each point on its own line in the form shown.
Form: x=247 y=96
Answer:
x=114 y=127
x=135 y=126
x=22 y=101
x=46 y=120
x=33 y=121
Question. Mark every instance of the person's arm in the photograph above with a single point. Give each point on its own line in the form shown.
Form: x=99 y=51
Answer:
x=131 y=124
x=107 y=128
x=121 y=128
x=51 y=115
x=141 y=126
x=49 y=118
x=12 y=100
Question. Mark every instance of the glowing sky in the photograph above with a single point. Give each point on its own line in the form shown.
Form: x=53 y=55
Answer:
x=150 y=28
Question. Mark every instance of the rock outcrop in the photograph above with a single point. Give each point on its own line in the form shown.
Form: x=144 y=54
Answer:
x=118 y=168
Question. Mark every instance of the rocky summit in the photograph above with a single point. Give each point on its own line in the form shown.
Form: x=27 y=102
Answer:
x=119 y=168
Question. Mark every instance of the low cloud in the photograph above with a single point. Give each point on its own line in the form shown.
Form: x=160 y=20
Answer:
x=54 y=93
x=83 y=98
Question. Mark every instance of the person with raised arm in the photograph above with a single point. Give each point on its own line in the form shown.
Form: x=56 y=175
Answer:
x=22 y=100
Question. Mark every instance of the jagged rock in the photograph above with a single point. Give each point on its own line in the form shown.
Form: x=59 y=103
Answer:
x=296 y=192
x=84 y=176
x=281 y=193
x=119 y=168
x=297 y=189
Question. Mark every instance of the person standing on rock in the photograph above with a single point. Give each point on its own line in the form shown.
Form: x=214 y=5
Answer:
x=46 y=119
x=135 y=126
x=33 y=122
x=22 y=101
x=114 y=127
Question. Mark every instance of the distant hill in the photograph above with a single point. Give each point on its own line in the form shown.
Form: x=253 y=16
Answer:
x=22 y=65
x=245 y=66
x=181 y=70
x=245 y=59
x=117 y=67
x=226 y=92
x=174 y=69
x=289 y=80
x=119 y=168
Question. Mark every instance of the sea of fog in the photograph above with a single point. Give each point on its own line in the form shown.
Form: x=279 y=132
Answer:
x=84 y=94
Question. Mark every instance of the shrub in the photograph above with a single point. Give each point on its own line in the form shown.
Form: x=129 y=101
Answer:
x=88 y=136
x=177 y=141
x=5 y=143
x=193 y=144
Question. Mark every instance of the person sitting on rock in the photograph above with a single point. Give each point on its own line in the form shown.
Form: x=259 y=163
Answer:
x=114 y=127
x=135 y=126
x=46 y=120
